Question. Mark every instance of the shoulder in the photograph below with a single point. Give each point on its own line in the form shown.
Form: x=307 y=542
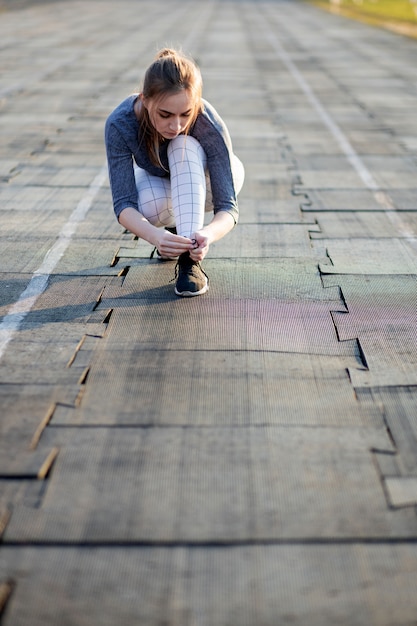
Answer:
x=121 y=127
x=125 y=106
x=124 y=113
x=211 y=114
x=210 y=122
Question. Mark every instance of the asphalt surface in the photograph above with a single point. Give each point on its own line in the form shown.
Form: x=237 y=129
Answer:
x=247 y=457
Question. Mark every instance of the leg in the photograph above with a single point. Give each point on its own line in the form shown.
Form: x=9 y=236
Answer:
x=154 y=195
x=238 y=173
x=187 y=162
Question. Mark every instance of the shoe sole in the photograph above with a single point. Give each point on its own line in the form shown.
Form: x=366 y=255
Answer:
x=189 y=294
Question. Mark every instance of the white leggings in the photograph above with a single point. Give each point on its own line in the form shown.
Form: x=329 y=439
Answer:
x=183 y=199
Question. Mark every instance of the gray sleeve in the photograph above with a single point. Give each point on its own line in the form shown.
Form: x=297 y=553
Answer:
x=121 y=174
x=212 y=133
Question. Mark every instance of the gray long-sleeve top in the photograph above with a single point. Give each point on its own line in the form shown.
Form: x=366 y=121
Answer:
x=123 y=144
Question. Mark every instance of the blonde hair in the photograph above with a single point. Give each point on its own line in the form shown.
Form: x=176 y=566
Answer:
x=170 y=73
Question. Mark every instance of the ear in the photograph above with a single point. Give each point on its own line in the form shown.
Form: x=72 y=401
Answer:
x=143 y=100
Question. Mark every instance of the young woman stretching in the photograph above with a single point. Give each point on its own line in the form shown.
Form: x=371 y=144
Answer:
x=170 y=159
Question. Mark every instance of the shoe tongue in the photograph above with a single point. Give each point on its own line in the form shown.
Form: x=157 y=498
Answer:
x=186 y=259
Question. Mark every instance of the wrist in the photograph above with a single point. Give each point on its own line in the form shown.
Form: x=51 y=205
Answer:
x=208 y=235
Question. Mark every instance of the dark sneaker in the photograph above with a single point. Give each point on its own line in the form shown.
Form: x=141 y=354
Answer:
x=191 y=278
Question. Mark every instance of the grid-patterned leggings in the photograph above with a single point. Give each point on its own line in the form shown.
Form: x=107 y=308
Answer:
x=183 y=199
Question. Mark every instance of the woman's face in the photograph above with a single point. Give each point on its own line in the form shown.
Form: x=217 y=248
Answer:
x=172 y=114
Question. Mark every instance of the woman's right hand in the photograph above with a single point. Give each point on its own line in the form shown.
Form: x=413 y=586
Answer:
x=168 y=244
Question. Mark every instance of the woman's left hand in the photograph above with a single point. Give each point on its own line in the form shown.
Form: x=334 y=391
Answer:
x=201 y=247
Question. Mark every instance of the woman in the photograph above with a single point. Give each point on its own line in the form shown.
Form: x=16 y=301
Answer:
x=170 y=159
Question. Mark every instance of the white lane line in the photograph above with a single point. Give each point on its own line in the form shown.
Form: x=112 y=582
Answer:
x=39 y=281
x=354 y=159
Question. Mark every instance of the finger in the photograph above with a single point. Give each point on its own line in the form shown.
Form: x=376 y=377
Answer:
x=180 y=239
x=173 y=249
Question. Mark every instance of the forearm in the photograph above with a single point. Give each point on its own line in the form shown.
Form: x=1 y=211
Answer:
x=168 y=244
x=221 y=224
x=133 y=221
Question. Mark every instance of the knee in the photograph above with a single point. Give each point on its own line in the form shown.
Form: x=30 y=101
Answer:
x=185 y=145
x=185 y=142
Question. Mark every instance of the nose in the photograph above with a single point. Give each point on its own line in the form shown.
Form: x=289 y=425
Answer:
x=175 y=124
